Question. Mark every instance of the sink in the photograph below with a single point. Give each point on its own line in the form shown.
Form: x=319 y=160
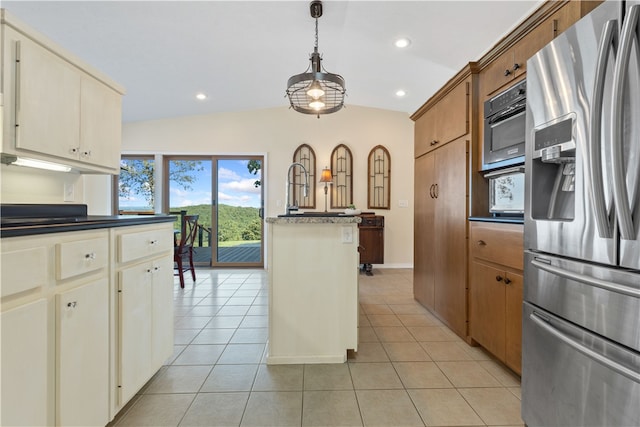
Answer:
x=312 y=214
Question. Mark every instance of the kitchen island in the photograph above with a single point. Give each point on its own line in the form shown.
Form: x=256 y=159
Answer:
x=313 y=267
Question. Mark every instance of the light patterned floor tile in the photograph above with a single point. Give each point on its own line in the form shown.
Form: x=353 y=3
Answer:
x=405 y=352
x=421 y=375
x=495 y=406
x=335 y=376
x=468 y=374
x=387 y=408
x=157 y=410
x=330 y=408
x=216 y=409
x=374 y=376
x=273 y=408
x=444 y=407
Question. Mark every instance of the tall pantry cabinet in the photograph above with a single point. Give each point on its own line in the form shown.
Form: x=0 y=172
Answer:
x=444 y=149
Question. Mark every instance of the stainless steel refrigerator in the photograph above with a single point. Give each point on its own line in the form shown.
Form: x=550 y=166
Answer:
x=581 y=313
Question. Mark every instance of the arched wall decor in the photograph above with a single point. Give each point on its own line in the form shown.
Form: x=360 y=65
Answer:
x=305 y=155
x=379 y=179
x=342 y=173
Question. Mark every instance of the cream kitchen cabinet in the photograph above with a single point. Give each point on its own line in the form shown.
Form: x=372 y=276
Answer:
x=82 y=355
x=55 y=329
x=145 y=305
x=25 y=365
x=57 y=108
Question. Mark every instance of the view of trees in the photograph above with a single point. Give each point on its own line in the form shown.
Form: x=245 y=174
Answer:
x=235 y=223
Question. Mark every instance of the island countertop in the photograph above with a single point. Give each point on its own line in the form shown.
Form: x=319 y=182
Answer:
x=306 y=219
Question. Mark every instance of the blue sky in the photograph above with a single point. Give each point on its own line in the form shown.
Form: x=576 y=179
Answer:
x=235 y=187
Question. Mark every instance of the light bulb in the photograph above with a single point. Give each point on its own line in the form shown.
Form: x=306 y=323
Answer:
x=315 y=91
x=316 y=104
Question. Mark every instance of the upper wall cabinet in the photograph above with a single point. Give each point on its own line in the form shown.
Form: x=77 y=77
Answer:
x=443 y=121
x=55 y=107
x=509 y=62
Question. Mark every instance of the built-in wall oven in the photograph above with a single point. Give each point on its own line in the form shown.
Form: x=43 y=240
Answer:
x=504 y=128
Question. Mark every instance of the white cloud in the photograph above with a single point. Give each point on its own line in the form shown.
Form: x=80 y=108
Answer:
x=224 y=173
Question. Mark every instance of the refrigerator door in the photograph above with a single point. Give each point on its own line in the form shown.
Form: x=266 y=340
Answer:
x=625 y=137
x=568 y=202
x=575 y=378
x=603 y=300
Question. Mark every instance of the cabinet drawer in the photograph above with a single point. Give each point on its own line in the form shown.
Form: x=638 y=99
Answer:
x=23 y=270
x=499 y=243
x=132 y=246
x=81 y=256
x=372 y=221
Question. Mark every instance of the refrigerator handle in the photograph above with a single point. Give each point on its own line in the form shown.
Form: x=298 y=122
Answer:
x=620 y=193
x=589 y=280
x=608 y=42
x=581 y=348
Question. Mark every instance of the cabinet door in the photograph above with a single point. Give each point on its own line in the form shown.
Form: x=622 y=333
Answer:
x=487 y=309
x=82 y=347
x=424 y=252
x=513 y=318
x=25 y=375
x=47 y=102
x=452 y=114
x=425 y=132
x=497 y=74
x=372 y=245
x=451 y=235
x=162 y=317
x=100 y=124
x=135 y=317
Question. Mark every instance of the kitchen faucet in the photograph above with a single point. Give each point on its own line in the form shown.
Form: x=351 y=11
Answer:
x=294 y=207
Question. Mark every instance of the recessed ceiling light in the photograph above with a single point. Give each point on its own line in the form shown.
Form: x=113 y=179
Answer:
x=201 y=96
x=400 y=93
x=402 y=42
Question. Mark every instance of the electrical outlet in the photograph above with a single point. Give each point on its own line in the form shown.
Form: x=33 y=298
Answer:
x=69 y=192
x=347 y=234
x=403 y=203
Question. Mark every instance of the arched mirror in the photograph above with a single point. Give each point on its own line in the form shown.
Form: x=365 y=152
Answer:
x=305 y=155
x=342 y=173
x=379 y=179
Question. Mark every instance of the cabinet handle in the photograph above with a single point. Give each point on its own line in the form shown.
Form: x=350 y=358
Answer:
x=153 y=242
x=74 y=150
x=436 y=192
x=507 y=280
x=516 y=66
x=86 y=153
x=156 y=269
x=90 y=256
x=507 y=72
x=72 y=304
x=499 y=278
x=431 y=191
x=482 y=243
x=434 y=142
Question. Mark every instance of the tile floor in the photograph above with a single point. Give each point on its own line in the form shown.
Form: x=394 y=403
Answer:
x=409 y=370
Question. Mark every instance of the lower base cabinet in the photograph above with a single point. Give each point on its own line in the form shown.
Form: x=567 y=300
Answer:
x=495 y=290
x=82 y=350
x=24 y=366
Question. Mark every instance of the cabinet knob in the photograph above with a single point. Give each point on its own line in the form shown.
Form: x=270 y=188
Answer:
x=74 y=150
x=86 y=153
x=516 y=66
x=499 y=278
x=72 y=304
x=507 y=72
x=481 y=243
x=90 y=256
x=434 y=142
x=153 y=242
x=507 y=280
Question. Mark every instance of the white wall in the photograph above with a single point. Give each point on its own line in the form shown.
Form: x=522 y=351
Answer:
x=20 y=184
x=277 y=132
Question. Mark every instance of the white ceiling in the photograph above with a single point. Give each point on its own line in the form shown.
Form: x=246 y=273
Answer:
x=241 y=53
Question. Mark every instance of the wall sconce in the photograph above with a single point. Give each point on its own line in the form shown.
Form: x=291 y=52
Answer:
x=326 y=178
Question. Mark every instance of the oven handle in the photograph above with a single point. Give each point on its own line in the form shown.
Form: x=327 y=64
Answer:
x=514 y=110
x=614 y=366
x=609 y=39
x=588 y=280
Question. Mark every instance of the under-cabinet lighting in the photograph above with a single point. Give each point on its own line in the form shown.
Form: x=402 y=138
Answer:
x=32 y=163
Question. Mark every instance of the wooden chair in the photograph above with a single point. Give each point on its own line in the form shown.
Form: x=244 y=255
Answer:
x=183 y=250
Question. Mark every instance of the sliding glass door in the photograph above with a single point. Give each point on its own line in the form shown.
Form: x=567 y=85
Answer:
x=226 y=194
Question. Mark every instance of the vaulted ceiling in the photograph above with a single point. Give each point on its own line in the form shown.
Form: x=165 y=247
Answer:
x=241 y=53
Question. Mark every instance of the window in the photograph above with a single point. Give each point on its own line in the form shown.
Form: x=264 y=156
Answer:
x=135 y=186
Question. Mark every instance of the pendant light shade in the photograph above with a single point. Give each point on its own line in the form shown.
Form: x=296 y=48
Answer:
x=316 y=91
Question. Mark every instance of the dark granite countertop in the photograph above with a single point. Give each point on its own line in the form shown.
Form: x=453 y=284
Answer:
x=504 y=219
x=26 y=220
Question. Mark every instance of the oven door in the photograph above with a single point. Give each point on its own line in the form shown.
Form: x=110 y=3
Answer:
x=504 y=136
x=571 y=377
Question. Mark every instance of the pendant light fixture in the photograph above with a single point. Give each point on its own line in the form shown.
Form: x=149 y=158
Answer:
x=316 y=91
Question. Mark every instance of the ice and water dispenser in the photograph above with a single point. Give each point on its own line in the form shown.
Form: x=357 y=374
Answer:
x=553 y=169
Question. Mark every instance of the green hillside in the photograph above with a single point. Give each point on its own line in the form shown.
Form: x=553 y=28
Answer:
x=234 y=223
